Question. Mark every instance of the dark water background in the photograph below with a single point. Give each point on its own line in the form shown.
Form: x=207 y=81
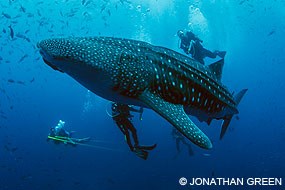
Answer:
x=33 y=97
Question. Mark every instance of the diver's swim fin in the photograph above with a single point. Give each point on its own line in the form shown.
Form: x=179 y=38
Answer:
x=146 y=147
x=221 y=54
x=141 y=153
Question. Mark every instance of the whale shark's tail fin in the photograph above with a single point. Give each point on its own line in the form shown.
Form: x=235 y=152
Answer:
x=228 y=118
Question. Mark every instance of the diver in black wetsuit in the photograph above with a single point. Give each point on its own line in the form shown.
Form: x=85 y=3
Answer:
x=191 y=44
x=178 y=137
x=121 y=115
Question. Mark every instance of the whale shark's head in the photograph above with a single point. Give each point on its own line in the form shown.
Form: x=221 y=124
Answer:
x=55 y=52
x=69 y=54
x=87 y=60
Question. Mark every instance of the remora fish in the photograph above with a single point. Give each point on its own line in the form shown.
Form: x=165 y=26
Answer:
x=138 y=73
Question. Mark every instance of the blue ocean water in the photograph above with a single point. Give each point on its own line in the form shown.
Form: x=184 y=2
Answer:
x=34 y=97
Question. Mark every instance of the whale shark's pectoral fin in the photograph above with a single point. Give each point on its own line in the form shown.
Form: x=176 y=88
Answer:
x=175 y=114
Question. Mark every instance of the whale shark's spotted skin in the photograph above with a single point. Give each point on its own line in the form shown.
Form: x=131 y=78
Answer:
x=135 y=72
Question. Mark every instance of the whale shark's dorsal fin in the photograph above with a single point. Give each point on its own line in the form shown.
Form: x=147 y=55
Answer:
x=217 y=69
x=175 y=114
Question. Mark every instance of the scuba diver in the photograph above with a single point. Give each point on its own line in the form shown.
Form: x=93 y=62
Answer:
x=58 y=134
x=122 y=116
x=178 y=137
x=191 y=44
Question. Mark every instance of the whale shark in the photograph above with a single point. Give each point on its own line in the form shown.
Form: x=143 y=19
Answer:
x=137 y=73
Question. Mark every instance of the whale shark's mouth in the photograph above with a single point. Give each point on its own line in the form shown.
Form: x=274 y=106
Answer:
x=48 y=62
x=51 y=65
